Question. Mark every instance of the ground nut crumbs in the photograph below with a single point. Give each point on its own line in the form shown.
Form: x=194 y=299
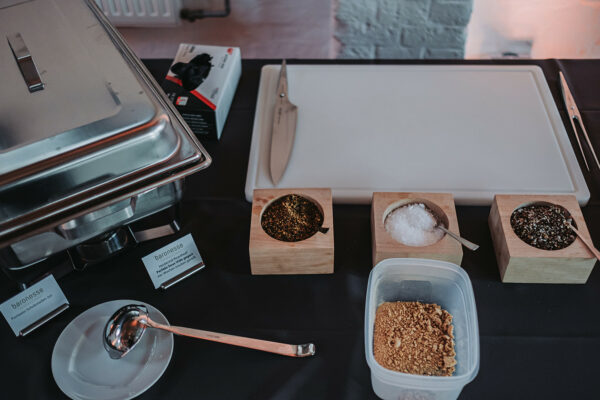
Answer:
x=414 y=338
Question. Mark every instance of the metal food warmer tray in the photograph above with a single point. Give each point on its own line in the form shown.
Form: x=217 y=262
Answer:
x=88 y=141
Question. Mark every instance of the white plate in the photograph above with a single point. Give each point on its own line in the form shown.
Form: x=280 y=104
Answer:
x=82 y=368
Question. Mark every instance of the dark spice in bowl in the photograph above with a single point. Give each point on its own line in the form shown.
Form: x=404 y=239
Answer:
x=292 y=218
x=543 y=226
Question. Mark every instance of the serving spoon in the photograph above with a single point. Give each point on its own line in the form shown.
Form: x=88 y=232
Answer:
x=440 y=225
x=126 y=326
x=589 y=245
x=468 y=244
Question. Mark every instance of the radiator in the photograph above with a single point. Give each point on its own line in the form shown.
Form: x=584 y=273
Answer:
x=152 y=13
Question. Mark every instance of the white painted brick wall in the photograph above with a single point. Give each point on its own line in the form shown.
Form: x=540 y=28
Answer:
x=402 y=28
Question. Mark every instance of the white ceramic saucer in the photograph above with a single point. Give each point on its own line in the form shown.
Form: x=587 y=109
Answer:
x=82 y=368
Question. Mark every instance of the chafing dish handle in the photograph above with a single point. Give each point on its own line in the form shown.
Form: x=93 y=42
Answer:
x=25 y=62
x=98 y=221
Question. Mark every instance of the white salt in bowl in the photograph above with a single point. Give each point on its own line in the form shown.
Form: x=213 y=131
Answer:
x=412 y=222
x=427 y=281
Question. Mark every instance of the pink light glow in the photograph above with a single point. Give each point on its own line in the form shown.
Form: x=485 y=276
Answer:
x=556 y=28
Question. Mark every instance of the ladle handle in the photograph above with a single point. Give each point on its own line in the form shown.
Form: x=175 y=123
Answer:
x=469 y=245
x=291 y=350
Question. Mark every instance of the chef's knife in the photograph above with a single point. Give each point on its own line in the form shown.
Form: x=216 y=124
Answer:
x=285 y=116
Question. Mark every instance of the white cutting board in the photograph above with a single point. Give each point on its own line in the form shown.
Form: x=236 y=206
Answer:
x=474 y=131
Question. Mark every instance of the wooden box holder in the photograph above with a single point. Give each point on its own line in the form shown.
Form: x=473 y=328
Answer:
x=309 y=256
x=384 y=246
x=520 y=262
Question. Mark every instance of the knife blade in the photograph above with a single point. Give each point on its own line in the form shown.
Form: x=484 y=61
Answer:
x=285 y=116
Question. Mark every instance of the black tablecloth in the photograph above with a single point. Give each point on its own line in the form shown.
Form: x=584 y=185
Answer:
x=537 y=341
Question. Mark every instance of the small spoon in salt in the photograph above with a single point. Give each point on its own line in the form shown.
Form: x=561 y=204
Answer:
x=469 y=245
x=589 y=245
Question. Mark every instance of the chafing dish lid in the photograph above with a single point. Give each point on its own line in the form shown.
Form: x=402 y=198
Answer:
x=94 y=121
x=89 y=93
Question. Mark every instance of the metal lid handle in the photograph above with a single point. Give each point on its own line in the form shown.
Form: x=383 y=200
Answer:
x=25 y=62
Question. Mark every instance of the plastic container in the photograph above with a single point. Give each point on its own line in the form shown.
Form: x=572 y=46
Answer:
x=427 y=281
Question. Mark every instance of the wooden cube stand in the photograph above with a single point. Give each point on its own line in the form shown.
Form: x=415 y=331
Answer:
x=523 y=263
x=385 y=246
x=309 y=256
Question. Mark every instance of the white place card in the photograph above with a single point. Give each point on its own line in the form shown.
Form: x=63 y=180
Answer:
x=174 y=262
x=34 y=306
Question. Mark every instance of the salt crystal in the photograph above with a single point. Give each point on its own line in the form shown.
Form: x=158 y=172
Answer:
x=413 y=225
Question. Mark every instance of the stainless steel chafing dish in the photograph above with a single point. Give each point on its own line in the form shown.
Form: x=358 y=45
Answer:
x=88 y=141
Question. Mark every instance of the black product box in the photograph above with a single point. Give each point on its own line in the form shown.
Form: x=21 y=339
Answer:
x=201 y=83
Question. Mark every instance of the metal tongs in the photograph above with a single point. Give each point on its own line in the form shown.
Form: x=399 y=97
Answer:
x=574 y=114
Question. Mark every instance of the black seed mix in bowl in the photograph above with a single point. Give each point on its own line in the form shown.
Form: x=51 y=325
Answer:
x=543 y=226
